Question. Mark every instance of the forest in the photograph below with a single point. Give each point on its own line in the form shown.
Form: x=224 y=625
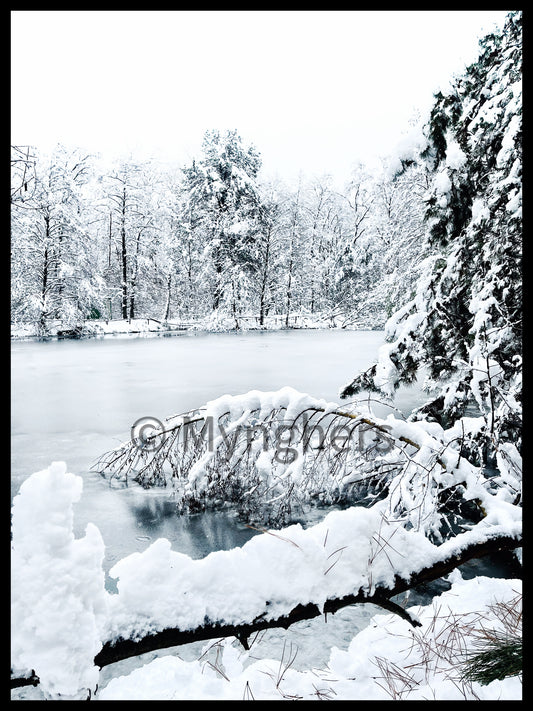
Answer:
x=209 y=243
x=430 y=250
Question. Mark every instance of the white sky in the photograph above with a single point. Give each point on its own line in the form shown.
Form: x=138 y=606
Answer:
x=314 y=91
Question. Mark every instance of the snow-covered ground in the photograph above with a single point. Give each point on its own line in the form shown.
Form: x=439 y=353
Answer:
x=61 y=612
x=97 y=327
x=387 y=660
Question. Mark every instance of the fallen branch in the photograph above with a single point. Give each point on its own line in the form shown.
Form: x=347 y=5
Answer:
x=117 y=650
x=31 y=680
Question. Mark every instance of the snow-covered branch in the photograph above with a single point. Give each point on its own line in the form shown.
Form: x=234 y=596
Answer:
x=121 y=648
x=272 y=454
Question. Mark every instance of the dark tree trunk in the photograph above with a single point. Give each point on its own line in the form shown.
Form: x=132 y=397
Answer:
x=124 y=259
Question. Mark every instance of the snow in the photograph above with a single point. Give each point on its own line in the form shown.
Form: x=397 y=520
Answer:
x=284 y=568
x=58 y=599
x=240 y=407
x=408 y=148
x=509 y=139
x=514 y=204
x=386 y=372
x=509 y=464
x=455 y=157
x=443 y=184
x=216 y=322
x=287 y=398
x=101 y=328
x=61 y=612
x=480 y=211
x=351 y=674
x=485 y=371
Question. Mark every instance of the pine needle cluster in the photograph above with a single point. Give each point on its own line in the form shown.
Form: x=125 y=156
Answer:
x=499 y=652
x=500 y=658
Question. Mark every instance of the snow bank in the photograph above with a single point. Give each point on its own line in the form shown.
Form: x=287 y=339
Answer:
x=357 y=673
x=57 y=582
x=98 y=328
x=217 y=322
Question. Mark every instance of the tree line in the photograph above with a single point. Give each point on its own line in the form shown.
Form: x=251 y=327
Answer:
x=211 y=241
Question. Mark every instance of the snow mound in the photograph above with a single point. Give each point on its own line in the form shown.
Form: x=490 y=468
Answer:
x=57 y=582
x=348 y=551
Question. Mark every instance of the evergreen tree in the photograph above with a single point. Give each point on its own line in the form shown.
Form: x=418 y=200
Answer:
x=464 y=323
x=224 y=191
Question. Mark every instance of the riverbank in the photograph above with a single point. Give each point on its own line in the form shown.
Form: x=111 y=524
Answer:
x=97 y=328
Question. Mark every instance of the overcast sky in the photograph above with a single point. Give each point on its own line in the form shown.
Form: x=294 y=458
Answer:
x=314 y=91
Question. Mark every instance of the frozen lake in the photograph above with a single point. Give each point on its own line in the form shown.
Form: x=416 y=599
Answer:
x=74 y=400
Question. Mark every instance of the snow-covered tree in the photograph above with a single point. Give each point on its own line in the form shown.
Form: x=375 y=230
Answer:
x=223 y=191
x=397 y=230
x=51 y=250
x=358 y=269
x=269 y=248
x=132 y=202
x=464 y=323
x=325 y=236
x=22 y=173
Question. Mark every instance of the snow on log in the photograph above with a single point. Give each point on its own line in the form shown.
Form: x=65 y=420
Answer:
x=280 y=577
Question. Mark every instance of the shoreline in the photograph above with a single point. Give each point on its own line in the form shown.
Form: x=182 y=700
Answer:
x=151 y=327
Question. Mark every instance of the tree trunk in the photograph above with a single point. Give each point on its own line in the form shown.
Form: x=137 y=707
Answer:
x=44 y=290
x=289 y=294
x=109 y=252
x=217 y=295
x=124 y=258
x=134 y=274
x=167 y=305
x=234 y=300
x=264 y=280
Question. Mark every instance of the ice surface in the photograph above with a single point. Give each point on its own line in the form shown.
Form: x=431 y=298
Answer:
x=74 y=400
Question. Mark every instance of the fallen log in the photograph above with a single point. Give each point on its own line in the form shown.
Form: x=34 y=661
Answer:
x=31 y=680
x=119 y=649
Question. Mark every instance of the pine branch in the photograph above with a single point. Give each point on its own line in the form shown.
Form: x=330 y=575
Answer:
x=501 y=658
